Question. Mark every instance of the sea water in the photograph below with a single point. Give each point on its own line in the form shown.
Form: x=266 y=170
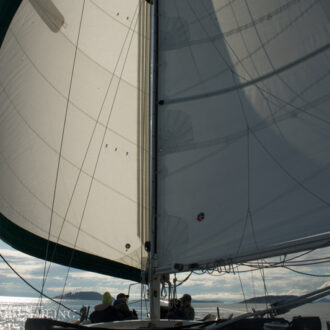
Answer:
x=15 y=310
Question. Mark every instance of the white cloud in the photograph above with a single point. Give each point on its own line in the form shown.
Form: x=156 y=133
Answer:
x=226 y=287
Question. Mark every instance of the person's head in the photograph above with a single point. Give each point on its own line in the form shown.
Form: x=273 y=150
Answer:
x=106 y=298
x=186 y=299
x=122 y=296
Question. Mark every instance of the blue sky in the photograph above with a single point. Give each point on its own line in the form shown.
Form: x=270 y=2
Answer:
x=224 y=287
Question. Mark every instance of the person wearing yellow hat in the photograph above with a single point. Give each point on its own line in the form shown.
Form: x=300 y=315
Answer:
x=104 y=312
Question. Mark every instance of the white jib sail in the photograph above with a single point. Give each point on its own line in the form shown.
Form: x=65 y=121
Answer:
x=72 y=145
x=244 y=139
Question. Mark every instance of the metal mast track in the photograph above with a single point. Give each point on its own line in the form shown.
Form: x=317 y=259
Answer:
x=154 y=279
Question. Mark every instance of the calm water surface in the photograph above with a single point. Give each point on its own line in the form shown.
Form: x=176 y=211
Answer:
x=15 y=310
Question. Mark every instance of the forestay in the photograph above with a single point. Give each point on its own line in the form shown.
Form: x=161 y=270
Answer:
x=73 y=146
x=244 y=130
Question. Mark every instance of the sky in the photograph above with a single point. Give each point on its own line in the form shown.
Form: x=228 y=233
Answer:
x=223 y=287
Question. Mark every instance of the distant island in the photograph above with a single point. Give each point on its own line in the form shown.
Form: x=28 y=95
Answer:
x=207 y=301
x=82 y=295
x=267 y=299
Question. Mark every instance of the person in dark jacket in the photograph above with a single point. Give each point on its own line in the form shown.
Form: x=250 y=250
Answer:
x=182 y=309
x=104 y=312
x=122 y=309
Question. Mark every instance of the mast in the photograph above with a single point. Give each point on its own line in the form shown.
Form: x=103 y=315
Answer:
x=154 y=279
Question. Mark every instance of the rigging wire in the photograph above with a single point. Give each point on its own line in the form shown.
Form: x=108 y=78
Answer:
x=34 y=288
x=242 y=288
x=91 y=138
x=60 y=151
x=307 y=274
x=249 y=216
x=88 y=147
x=103 y=137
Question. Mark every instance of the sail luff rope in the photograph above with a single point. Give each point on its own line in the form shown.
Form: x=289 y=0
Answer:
x=268 y=75
x=60 y=151
x=105 y=131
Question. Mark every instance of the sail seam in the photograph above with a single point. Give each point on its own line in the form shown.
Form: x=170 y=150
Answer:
x=248 y=83
x=80 y=170
x=45 y=274
x=86 y=55
x=241 y=28
x=72 y=103
x=100 y=149
x=240 y=61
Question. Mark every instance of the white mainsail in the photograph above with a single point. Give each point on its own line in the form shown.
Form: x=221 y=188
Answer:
x=73 y=131
x=243 y=139
x=244 y=130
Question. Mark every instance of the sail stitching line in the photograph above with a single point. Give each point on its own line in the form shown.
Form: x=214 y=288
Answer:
x=189 y=46
x=111 y=108
x=64 y=158
x=249 y=212
x=84 y=53
x=25 y=218
x=60 y=216
x=289 y=174
x=297 y=95
x=78 y=108
x=85 y=156
x=89 y=143
x=227 y=140
x=241 y=28
x=209 y=14
x=249 y=216
x=240 y=61
x=260 y=89
x=255 y=68
x=268 y=75
x=60 y=153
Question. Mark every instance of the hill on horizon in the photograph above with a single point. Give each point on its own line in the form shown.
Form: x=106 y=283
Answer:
x=82 y=295
x=268 y=299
